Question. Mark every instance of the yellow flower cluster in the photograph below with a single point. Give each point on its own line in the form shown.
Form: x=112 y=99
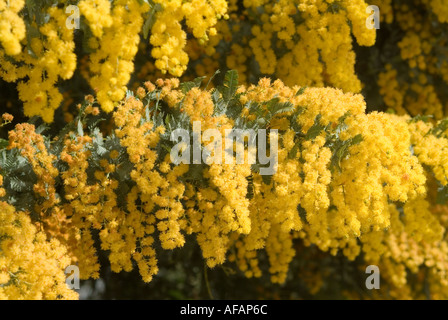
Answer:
x=85 y=204
x=32 y=147
x=424 y=99
x=31 y=265
x=169 y=39
x=221 y=209
x=157 y=188
x=416 y=90
x=12 y=27
x=403 y=249
x=302 y=42
x=51 y=218
x=97 y=14
x=358 y=204
x=111 y=64
x=237 y=60
x=345 y=181
x=214 y=213
x=50 y=57
x=440 y=8
x=386 y=10
x=431 y=150
x=340 y=206
x=115 y=29
x=411 y=49
x=319 y=50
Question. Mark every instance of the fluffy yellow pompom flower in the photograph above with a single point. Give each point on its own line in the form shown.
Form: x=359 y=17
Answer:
x=169 y=39
x=31 y=266
x=12 y=27
x=111 y=64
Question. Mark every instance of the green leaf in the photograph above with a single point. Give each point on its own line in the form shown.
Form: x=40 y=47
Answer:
x=266 y=179
x=40 y=129
x=124 y=169
x=198 y=81
x=275 y=107
x=187 y=86
x=18 y=185
x=341 y=121
x=195 y=175
x=211 y=78
x=340 y=150
x=230 y=85
x=356 y=139
x=31 y=32
x=315 y=129
x=151 y=19
x=440 y=129
x=3 y=143
x=100 y=150
x=293 y=152
x=87 y=35
x=301 y=91
x=424 y=118
x=442 y=195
